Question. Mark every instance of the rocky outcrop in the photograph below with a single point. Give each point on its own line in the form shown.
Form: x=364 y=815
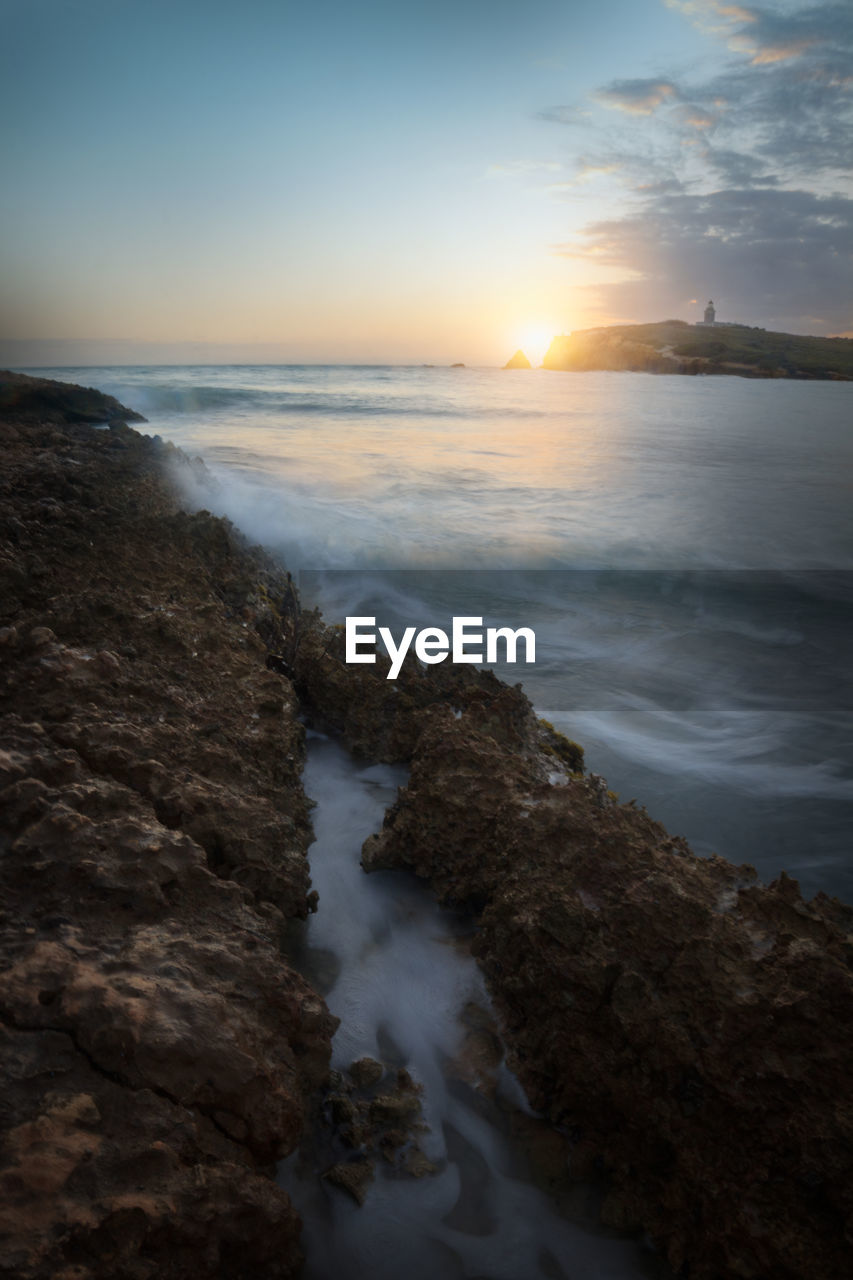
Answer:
x=158 y=1051
x=690 y=1029
x=383 y=719
x=42 y=400
x=618 y=350
x=518 y=361
x=673 y=346
x=372 y=1110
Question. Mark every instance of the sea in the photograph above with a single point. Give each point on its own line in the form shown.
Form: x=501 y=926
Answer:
x=682 y=549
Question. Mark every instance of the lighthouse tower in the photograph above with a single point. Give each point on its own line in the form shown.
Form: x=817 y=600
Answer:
x=709 y=313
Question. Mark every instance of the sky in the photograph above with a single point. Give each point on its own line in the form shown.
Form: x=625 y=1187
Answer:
x=257 y=180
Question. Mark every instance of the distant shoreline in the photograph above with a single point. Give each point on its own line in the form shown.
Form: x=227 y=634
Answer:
x=676 y=347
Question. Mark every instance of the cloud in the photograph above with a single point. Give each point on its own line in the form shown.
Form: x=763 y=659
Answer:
x=739 y=183
x=637 y=97
x=696 y=118
x=769 y=36
x=772 y=258
x=737 y=168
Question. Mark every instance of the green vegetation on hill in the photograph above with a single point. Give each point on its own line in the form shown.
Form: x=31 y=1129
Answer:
x=673 y=346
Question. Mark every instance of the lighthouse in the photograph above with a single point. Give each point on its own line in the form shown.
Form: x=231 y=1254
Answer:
x=710 y=313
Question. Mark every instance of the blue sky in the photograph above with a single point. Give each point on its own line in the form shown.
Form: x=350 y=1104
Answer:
x=411 y=182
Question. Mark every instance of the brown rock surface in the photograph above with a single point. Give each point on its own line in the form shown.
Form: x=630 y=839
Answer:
x=44 y=400
x=617 y=350
x=158 y=1051
x=689 y=1028
x=383 y=719
x=370 y=1118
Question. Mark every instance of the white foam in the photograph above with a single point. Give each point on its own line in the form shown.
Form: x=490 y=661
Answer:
x=403 y=983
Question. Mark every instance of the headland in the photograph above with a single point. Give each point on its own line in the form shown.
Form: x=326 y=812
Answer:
x=674 y=346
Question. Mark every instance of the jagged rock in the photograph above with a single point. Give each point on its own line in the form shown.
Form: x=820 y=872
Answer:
x=690 y=1028
x=353 y=1177
x=356 y=1117
x=157 y=1051
x=383 y=719
x=366 y=1071
x=391 y=1110
x=27 y=399
x=518 y=361
x=99 y=1180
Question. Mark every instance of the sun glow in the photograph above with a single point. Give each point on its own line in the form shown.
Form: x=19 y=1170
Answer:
x=534 y=340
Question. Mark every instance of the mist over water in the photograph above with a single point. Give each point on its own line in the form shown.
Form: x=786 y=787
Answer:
x=388 y=961
x=701 y=656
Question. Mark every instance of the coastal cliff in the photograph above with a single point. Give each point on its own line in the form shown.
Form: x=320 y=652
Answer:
x=685 y=1030
x=673 y=346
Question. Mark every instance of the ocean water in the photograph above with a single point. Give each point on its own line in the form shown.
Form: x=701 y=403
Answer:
x=682 y=547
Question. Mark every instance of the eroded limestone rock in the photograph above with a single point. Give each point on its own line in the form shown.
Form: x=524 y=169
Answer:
x=689 y=1028
x=157 y=1051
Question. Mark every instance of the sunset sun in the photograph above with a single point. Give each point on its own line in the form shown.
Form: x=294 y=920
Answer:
x=534 y=340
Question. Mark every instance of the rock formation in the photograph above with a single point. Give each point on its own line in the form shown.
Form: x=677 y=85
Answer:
x=673 y=346
x=518 y=361
x=616 y=350
x=158 y=1052
x=689 y=1029
x=43 y=400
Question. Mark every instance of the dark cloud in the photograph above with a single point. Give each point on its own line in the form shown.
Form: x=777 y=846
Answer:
x=738 y=169
x=790 y=89
x=781 y=259
x=770 y=36
x=736 y=178
x=798 y=118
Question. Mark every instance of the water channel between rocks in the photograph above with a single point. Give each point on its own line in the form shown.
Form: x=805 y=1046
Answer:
x=395 y=968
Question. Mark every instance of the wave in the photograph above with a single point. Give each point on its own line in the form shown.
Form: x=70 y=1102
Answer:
x=194 y=400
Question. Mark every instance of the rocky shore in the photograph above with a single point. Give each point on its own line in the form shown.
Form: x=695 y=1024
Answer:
x=684 y=1029
x=159 y=1053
